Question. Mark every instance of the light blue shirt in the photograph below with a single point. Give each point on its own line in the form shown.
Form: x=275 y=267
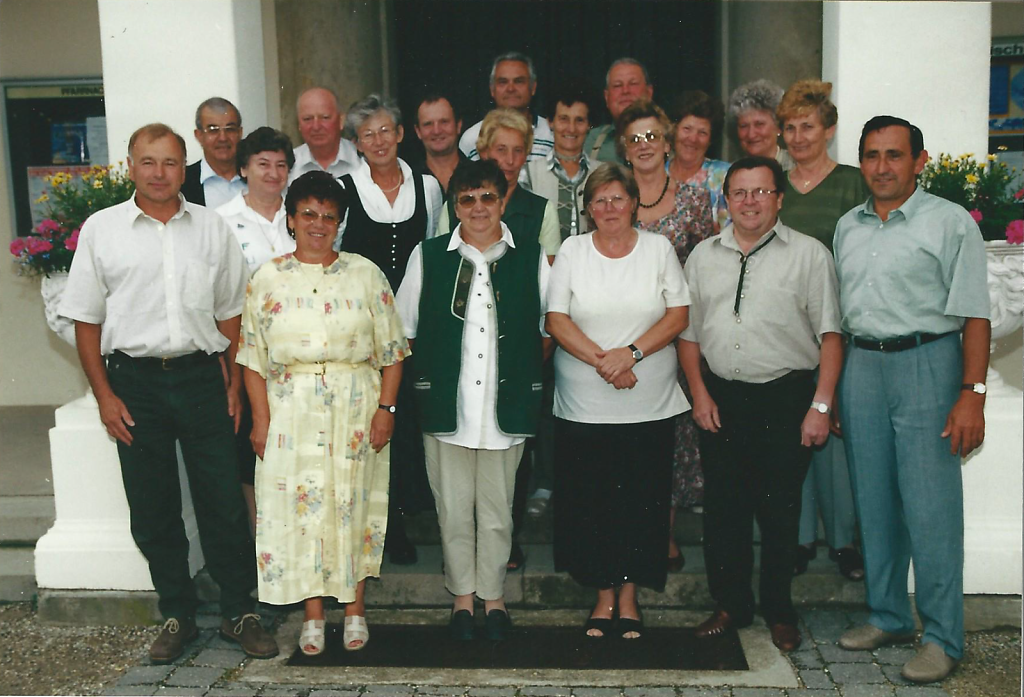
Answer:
x=921 y=271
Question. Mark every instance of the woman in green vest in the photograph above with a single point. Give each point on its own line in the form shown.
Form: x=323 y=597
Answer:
x=474 y=301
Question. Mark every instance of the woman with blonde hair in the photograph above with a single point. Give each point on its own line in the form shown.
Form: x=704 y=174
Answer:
x=820 y=192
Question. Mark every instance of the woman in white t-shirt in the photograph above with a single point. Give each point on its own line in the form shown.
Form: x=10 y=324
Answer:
x=617 y=298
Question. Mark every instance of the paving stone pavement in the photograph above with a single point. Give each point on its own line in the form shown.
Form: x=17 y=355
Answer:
x=210 y=668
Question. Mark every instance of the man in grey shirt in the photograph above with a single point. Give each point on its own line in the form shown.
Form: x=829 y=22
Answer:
x=765 y=314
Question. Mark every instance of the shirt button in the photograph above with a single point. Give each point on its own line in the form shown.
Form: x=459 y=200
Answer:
x=874 y=254
x=738 y=320
x=737 y=345
x=488 y=306
x=479 y=274
x=736 y=371
x=481 y=329
x=479 y=355
x=393 y=226
x=742 y=296
x=478 y=382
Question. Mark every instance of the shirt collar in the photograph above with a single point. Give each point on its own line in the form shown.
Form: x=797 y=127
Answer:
x=206 y=172
x=727 y=238
x=134 y=212
x=908 y=210
x=551 y=161
x=456 y=240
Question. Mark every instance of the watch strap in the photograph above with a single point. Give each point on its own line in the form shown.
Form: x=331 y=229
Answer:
x=390 y=408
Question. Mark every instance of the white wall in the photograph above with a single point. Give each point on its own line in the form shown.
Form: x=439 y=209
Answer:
x=161 y=58
x=35 y=366
x=927 y=62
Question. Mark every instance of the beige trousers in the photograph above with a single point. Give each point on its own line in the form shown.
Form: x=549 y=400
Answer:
x=473 y=492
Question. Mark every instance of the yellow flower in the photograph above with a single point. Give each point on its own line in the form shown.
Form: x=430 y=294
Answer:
x=87 y=176
x=991 y=158
x=98 y=184
x=972 y=179
x=43 y=199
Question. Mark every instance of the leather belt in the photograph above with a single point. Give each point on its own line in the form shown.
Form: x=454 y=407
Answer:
x=153 y=363
x=901 y=343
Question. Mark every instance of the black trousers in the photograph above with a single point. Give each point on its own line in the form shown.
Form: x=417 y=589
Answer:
x=754 y=467
x=186 y=404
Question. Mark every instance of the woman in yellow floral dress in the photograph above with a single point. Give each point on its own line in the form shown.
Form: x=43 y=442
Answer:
x=322 y=346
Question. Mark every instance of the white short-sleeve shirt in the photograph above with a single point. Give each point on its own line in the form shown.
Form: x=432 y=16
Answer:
x=614 y=302
x=158 y=289
x=259 y=239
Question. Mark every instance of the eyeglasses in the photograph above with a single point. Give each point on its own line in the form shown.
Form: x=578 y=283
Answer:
x=758 y=195
x=618 y=203
x=226 y=130
x=637 y=138
x=329 y=219
x=384 y=132
x=487 y=198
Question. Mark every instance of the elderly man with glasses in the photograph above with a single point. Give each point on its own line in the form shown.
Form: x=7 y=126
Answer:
x=214 y=179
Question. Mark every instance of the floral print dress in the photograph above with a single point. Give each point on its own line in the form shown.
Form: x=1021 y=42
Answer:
x=321 y=490
x=690 y=223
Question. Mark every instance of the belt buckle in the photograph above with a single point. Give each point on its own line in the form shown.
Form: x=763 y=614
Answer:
x=165 y=363
x=881 y=346
x=323 y=367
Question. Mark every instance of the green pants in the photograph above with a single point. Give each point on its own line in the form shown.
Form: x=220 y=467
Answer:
x=187 y=404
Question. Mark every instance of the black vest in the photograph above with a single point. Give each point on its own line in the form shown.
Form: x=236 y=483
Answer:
x=388 y=245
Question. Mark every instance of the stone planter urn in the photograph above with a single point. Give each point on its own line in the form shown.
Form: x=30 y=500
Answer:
x=1006 y=300
x=52 y=289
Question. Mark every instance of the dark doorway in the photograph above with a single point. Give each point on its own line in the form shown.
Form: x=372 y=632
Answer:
x=449 y=45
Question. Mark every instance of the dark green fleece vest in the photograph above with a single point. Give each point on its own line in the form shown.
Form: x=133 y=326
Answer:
x=448 y=282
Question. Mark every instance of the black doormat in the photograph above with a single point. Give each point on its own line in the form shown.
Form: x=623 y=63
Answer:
x=564 y=648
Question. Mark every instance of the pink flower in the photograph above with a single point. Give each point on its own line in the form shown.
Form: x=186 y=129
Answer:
x=1015 y=232
x=37 y=245
x=47 y=227
x=976 y=214
x=18 y=246
x=1020 y=194
x=72 y=241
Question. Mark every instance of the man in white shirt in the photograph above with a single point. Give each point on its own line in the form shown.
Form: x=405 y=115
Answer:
x=156 y=291
x=214 y=180
x=513 y=84
x=323 y=148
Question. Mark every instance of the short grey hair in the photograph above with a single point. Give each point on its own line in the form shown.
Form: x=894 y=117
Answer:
x=359 y=112
x=759 y=95
x=219 y=105
x=518 y=58
x=626 y=61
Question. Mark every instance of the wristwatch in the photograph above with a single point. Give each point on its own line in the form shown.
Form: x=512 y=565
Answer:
x=821 y=407
x=390 y=408
x=638 y=355
x=975 y=387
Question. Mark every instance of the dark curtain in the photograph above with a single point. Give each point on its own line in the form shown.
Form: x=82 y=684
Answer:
x=448 y=46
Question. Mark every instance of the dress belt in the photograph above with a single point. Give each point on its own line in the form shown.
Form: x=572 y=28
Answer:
x=901 y=343
x=154 y=363
x=322 y=368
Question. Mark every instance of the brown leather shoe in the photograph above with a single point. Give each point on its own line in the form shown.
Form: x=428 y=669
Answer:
x=174 y=637
x=719 y=623
x=786 y=637
x=250 y=635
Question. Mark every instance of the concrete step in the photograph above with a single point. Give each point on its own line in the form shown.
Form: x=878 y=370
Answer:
x=24 y=519
x=537 y=585
x=17 y=574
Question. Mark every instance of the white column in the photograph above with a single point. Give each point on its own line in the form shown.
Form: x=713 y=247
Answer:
x=928 y=62
x=161 y=58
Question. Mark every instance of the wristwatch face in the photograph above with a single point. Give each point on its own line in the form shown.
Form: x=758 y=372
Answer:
x=390 y=408
x=820 y=407
x=638 y=354
x=979 y=387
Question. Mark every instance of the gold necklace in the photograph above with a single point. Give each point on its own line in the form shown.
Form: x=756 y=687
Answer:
x=302 y=270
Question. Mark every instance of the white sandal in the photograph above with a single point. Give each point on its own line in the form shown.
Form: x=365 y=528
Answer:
x=313 y=634
x=356 y=630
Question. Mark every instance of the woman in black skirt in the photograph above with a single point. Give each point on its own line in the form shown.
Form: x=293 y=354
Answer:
x=617 y=299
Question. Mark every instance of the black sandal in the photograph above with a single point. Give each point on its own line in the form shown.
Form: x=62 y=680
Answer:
x=851 y=563
x=628 y=624
x=601 y=624
x=804 y=555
